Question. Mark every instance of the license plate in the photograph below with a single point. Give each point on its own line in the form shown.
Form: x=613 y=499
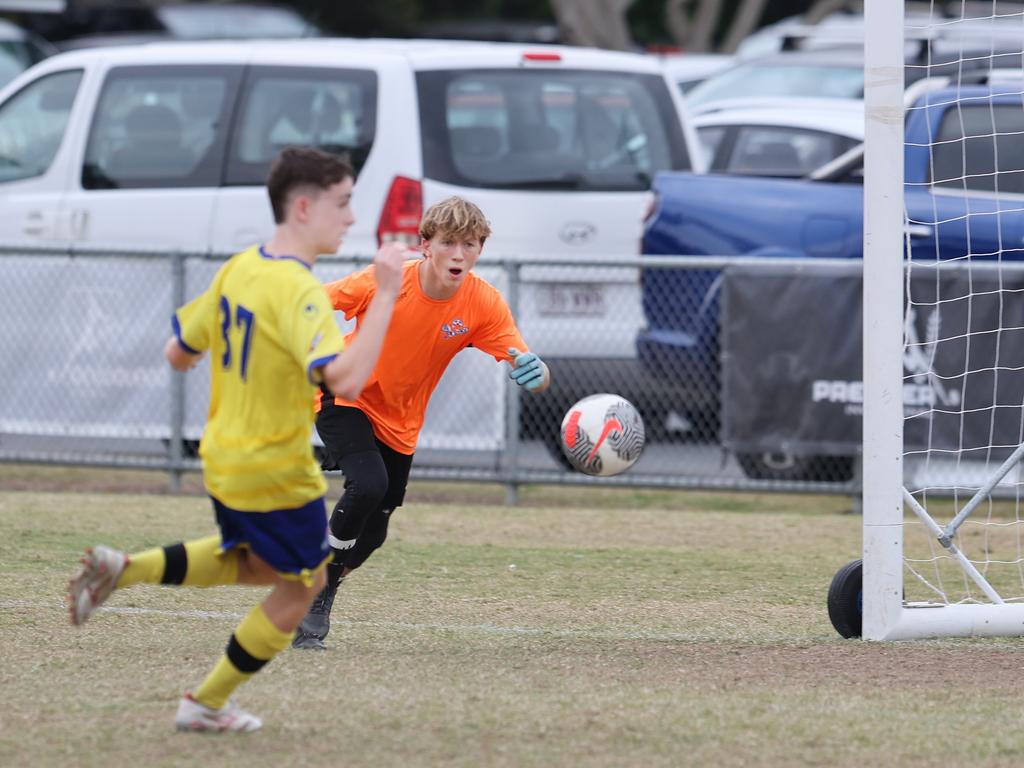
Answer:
x=570 y=299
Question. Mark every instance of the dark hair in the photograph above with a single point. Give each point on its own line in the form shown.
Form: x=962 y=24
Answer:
x=296 y=167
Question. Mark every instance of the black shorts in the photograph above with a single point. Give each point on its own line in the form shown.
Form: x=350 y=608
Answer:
x=345 y=431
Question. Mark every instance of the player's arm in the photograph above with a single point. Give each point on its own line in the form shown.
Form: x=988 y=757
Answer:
x=500 y=337
x=181 y=359
x=352 y=294
x=347 y=373
x=190 y=322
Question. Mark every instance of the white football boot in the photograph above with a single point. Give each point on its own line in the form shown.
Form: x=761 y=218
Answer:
x=193 y=716
x=96 y=579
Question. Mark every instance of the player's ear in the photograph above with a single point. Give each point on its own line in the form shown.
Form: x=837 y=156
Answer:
x=300 y=207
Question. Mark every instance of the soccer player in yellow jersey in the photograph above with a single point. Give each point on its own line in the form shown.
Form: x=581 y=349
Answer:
x=272 y=338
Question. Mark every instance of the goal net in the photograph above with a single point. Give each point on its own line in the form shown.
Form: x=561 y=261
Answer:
x=944 y=328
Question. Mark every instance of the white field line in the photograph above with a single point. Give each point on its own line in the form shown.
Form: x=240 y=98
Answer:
x=487 y=629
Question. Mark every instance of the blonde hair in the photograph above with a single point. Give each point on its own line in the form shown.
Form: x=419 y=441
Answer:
x=456 y=217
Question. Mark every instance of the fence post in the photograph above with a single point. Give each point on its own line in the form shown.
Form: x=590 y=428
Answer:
x=511 y=458
x=177 y=446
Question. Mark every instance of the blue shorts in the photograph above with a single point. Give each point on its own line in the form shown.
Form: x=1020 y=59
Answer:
x=292 y=541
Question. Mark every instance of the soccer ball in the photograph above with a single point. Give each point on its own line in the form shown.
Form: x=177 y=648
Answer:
x=602 y=435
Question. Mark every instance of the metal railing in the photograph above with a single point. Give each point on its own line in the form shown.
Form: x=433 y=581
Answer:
x=86 y=383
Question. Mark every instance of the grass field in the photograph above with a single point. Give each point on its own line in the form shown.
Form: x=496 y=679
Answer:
x=619 y=628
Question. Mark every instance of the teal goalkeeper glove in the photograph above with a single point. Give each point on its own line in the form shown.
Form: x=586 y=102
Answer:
x=527 y=369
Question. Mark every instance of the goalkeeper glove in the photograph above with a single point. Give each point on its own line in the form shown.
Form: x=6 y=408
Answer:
x=527 y=369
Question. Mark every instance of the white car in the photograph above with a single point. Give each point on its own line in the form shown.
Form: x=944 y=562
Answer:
x=19 y=50
x=690 y=69
x=936 y=22
x=779 y=137
x=835 y=74
x=167 y=145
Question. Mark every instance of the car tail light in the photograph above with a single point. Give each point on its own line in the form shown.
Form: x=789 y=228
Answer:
x=542 y=56
x=403 y=209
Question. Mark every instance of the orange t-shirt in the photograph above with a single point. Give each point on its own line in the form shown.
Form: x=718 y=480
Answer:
x=424 y=335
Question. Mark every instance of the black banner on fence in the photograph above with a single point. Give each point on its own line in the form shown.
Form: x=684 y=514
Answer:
x=792 y=361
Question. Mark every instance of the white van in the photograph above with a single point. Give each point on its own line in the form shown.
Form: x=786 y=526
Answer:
x=167 y=145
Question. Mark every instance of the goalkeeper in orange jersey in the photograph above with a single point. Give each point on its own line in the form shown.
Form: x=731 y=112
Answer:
x=441 y=309
x=272 y=338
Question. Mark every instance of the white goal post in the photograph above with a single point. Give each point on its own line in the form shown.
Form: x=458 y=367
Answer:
x=943 y=527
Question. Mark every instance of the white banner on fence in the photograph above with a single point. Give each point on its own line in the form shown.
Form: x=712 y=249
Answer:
x=82 y=345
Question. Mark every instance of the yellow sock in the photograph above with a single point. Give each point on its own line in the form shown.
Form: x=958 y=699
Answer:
x=195 y=563
x=143 y=568
x=255 y=642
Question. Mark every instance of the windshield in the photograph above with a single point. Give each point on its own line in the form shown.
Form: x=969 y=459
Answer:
x=548 y=129
x=769 y=80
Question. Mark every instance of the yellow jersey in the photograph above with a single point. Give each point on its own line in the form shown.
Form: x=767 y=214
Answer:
x=269 y=328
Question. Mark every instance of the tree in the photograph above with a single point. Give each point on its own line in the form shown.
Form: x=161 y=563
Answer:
x=693 y=31
x=694 y=25
x=746 y=20
x=823 y=8
x=598 y=23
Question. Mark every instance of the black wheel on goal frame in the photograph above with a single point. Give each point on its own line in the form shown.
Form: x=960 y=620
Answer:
x=846 y=599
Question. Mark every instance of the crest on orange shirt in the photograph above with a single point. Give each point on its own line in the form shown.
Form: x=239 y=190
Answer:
x=454 y=328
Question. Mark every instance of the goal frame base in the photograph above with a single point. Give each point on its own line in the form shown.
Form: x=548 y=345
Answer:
x=916 y=621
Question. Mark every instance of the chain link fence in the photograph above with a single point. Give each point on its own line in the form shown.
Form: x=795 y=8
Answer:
x=686 y=340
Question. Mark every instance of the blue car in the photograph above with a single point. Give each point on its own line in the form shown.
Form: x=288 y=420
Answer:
x=962 y=146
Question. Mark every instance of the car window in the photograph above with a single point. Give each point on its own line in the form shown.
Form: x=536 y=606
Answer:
x=980 y=147
x=764 y=80
x=32 y=124
x=782 y=151
x=710 y=139
x=542 y=129
x=333 y=109
x=159 y=127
